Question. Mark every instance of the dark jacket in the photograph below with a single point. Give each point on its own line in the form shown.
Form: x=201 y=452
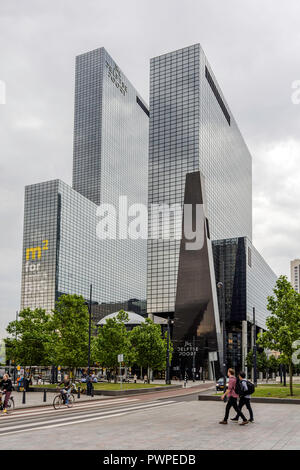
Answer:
x=66 y=384
x=6 y=385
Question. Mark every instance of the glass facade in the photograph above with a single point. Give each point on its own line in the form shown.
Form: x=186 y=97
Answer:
x=62 y=254
x=247 y=277
x=39 y=262
x=110 y=156
x=192 y=129
x=247 y=282
x=261 y=281
x=230 y=269
x=64 y=221
x=110 y=160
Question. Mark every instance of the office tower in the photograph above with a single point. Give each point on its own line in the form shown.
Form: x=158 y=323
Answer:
x=295 y=274
x=110 y=154
x=192 y=129
x=61 y=250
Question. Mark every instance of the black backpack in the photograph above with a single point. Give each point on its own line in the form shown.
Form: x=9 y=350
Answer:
x=238 y=388
x=251 y=389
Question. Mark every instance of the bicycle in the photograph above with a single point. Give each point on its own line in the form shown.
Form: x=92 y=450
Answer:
x=60 y=400
x=10 y=404
x=73 y=391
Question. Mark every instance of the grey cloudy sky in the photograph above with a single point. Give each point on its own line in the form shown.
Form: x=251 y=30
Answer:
x=253 y=47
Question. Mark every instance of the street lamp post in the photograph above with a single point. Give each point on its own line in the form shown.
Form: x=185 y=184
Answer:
x=90 y=323
x=17 y=314
x=89 y=304
x=220 y=286
x=254 y=350
x=193 y=375
x=168 y=381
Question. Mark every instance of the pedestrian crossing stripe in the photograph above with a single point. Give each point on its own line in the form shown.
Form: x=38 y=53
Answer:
x=71 y=420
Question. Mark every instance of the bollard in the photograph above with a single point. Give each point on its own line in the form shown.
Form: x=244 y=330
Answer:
x=78 y=392
x=45 y=396
x=92 y=391
x=24 y=397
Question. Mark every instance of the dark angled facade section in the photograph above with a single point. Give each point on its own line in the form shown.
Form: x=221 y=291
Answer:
x=196 y=318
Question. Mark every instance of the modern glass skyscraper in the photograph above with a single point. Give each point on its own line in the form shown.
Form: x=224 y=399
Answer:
x=61 y=251
x=192 y=129
x=111 y=126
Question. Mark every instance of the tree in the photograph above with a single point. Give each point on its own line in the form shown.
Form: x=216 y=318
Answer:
x=149 y=345
x=283 y=325
x=31 y=338
x=2 y=352
x=249 y=360
x=273 y=364
x=113 y=339
x=71 y=322
x=262 y=362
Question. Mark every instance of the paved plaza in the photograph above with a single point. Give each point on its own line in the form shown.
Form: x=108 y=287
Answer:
x=152 y=423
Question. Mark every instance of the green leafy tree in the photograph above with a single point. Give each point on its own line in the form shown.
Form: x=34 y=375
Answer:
x=273 y=364
x=71 y=323
x=149 y=345
x=283 y=325
x=249 y=360
x=2 y=352
x=113 y=339
x=31 y=338
x=262 y=362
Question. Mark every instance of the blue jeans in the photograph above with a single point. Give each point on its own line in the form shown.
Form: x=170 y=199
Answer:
x=66 y=394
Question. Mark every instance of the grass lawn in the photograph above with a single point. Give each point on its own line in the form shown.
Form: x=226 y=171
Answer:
x=275 y=391
x=109 y=386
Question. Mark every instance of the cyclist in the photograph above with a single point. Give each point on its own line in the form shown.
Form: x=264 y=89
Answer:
x=66 y=390
x=7 y=387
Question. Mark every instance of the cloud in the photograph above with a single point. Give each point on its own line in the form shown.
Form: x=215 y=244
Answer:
x=276 y=212
x=253 y=48
x=29 y=122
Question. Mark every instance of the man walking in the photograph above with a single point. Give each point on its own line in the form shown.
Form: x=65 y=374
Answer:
x=245 y=399
x=232 y=399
